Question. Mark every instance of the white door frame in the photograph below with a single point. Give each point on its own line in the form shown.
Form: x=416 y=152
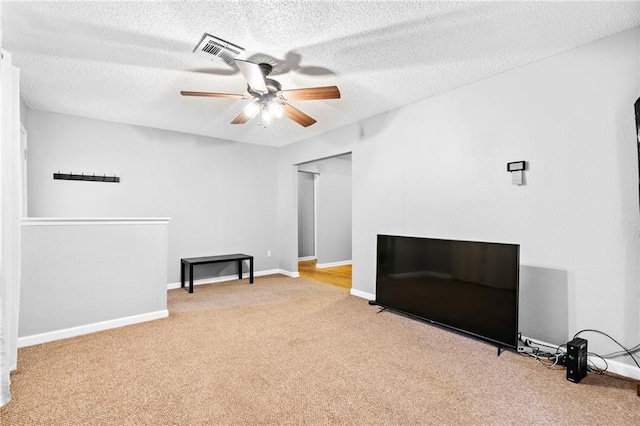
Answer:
x=316 y=178
x=23 y=151
x=315 y=217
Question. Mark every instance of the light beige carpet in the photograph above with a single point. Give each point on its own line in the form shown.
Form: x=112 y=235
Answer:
x=290 y=351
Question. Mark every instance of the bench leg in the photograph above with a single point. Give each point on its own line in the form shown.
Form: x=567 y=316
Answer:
x=191 y=278
x=251 y=270
x=239 y=269
x=181 y=274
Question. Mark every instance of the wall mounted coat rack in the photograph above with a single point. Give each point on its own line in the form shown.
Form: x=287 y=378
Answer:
x=92 y=177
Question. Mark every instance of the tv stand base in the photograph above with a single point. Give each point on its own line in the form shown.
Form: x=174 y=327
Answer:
x=374 y=303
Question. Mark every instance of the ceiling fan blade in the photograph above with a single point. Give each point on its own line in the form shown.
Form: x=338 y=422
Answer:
x=241 y=118
x=310 y=93
x=253 y=74
x=214 y=95
x=298 y=116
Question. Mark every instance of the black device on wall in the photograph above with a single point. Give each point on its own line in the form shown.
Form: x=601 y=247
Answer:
x=468 y=286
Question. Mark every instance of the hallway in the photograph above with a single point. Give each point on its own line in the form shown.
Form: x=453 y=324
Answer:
x=337 y=275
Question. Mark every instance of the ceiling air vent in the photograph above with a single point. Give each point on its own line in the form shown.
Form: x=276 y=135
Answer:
x=210 y=46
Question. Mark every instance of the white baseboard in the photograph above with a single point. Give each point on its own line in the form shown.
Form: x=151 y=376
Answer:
x=289 y=273
x=302 y=259
x=332 y=264
x=363 y=294
x=50 y=336
x=173 y=286
x=616 y=367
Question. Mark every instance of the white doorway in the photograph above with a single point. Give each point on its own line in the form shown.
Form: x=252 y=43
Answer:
x=307 y=227
x=324 y=211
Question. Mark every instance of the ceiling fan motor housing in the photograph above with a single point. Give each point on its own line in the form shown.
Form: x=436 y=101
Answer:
x=272 y=85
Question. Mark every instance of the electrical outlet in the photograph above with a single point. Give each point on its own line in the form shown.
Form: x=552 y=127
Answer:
x=525 y=350
x=268 y=253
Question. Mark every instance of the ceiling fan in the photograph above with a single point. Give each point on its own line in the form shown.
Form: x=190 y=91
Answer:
x=268 y=97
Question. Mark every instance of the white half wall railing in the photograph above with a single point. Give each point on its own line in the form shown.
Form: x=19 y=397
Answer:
x=10 y=208
x=81 y=275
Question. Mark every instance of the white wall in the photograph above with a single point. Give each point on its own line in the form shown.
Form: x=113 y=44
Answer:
x=334 y=208
x=219 y=194
x=438 y=169
x=81 y=274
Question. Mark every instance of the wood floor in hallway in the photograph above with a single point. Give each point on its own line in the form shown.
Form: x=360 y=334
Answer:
x=337 y=275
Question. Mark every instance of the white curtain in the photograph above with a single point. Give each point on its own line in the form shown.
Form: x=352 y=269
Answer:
x=10 y=214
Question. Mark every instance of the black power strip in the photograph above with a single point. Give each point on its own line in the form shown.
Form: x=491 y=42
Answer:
x=576 y=360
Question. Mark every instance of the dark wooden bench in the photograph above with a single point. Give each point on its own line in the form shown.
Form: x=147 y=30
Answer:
x=192 y=261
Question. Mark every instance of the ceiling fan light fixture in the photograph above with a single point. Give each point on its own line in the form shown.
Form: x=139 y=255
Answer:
x=275 y=109
x=265 y=117
x=252 y=109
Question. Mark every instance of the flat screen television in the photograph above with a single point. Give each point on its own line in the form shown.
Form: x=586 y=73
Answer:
x=468 y=286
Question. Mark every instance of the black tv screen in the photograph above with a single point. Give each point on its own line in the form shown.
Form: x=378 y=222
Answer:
x=469 y=286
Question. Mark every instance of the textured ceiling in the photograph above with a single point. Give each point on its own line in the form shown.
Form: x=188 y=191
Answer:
x=128 y=61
